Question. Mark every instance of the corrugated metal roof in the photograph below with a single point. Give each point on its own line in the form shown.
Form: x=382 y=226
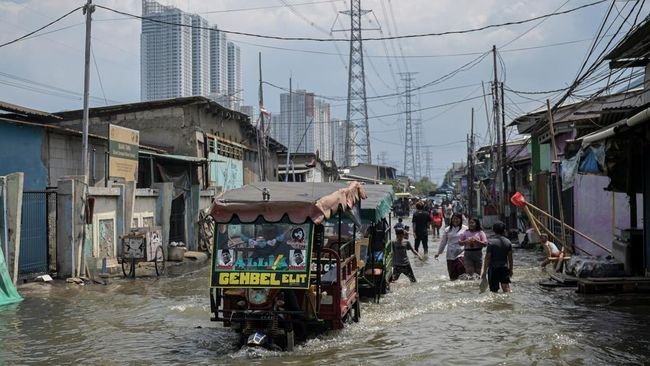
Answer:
x=189 y=159
x=14 y=108
x=635 y=46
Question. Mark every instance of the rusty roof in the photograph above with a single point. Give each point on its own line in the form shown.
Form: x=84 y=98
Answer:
x=24 y=111
x=633 y=50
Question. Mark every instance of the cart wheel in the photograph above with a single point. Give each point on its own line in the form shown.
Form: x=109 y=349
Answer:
x=128 y=267
x=357 y=311
x=290 y=340
x=160 y=261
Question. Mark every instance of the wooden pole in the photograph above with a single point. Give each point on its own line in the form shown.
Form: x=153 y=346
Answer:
x=558 y=187
x=601 y=246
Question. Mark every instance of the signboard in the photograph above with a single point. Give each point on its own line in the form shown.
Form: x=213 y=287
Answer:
x=262 y=256
x=123 y=152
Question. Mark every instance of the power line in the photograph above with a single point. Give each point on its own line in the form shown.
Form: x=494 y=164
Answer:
x=266 y=7
x=419 y=35
x=40 y=29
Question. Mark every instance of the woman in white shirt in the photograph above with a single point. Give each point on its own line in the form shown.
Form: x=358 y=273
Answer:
x=455 y=251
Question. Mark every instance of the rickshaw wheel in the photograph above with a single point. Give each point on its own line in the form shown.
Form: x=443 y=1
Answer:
x=128 y=267
x=160 y=261
x=357 y=311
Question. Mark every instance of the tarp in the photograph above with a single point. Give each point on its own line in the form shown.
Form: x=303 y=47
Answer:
x=8 y=292
x=378 y=204
x=299 y=201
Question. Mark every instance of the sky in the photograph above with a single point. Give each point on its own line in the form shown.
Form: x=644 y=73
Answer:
x=46 y=71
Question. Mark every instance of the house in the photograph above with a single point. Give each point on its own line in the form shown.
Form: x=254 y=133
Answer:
x=370 y=173
x=617 y=154
x=487 y=176
x=306 y=167
x=196 y=127
x=587 y=206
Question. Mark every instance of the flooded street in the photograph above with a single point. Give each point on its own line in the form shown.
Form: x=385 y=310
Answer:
x=434 y=321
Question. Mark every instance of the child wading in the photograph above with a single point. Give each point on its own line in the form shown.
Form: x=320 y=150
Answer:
x=401 y=263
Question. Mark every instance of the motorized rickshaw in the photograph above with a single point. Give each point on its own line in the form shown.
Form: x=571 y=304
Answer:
x=376 y=268
x=283 y=266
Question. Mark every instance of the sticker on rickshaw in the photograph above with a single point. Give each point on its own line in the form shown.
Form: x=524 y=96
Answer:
x=267 y=255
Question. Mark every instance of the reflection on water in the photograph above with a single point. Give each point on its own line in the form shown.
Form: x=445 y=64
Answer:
x=434 y=321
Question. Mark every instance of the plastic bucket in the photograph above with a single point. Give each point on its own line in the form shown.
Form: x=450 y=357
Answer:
x=518 y=200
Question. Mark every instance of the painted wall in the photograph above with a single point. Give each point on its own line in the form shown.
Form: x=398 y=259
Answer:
x=226 y=173
x=21 y=151
x=598 y=212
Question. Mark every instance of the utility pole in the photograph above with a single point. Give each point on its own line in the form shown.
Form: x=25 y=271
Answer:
x=495 y=148
x=409 y=154
x=286 y=166
x=470 y=162
x=261 y=141
x=78 y=267
x=357 y=132
x=558 y=186
x=88 y=9
x=504 y=164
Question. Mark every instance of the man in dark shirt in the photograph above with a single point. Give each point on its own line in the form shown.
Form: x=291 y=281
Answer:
x=498 y=260
x=421 y=222
x=401 y=263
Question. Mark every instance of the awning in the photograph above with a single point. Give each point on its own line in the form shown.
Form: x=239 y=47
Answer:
x=378 y=204
x=300 y=202
x=189 y=159
x=292 y=171
x=609 y=131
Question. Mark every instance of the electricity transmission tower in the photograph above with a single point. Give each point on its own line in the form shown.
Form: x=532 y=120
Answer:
x=417 y=124
x=357 y=133
x=409 y=153
x=428 y=159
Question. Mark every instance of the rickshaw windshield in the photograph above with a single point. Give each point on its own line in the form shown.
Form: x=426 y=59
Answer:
x=262 y=255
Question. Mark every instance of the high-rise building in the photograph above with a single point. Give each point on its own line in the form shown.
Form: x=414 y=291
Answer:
x=187 y=59
x=165 y=53
x=337 y=133
x=200 y=56
x=311 y=128
x=234 y=75
x=322 y=129
x=218 y=62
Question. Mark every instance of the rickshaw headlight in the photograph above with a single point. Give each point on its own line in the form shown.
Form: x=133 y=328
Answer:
x=241 y=303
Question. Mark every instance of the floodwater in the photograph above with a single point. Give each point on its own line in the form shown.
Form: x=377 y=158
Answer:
x=435 y=321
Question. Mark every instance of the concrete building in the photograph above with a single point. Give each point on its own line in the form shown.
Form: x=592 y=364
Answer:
x=193 y=127
x=311 y=127
x=200 y=56
x=49 y=157
x=165 y=53
x=181 y=61
x=218 y=63
x=235 y=90
x=337 y=134
x=249 y=110
x=322 y=129
x=307 y=167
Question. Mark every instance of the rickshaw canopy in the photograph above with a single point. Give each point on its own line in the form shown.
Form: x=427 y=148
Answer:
x=378 y=204
x=300 y=202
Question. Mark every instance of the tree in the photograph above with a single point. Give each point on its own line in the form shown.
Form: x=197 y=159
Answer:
x=424 y=186
x=397 y=186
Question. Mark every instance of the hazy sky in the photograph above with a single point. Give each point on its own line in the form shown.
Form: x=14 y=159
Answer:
x=46 y=72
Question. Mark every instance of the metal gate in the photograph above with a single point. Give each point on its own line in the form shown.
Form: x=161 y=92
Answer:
x=38 y=230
